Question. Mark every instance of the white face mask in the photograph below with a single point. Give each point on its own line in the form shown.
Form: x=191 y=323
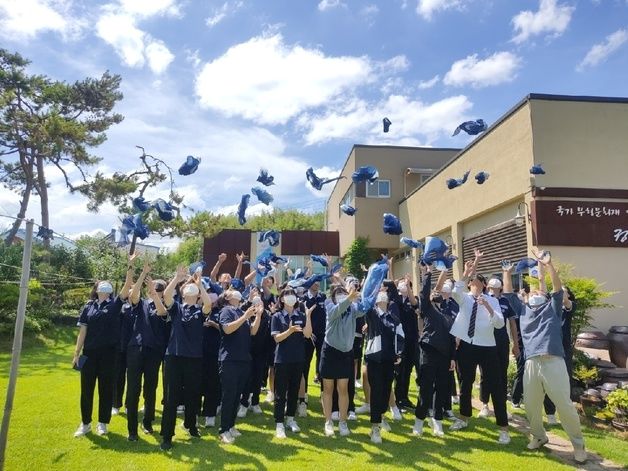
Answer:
x=190 y=290
x=235 y=296
x=213 y=297
x=290 y=300
x=341 y=298
x=536 y=300
x=446 y=288
x=256 y=300
x=382 y=298
x=104 y=287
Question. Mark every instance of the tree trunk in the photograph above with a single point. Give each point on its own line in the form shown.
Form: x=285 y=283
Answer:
x=20 y=216
x=43 y=196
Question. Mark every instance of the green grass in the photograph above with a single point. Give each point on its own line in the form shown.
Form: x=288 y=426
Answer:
x=46 y=413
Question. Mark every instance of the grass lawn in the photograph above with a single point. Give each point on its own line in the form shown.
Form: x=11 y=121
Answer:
x=46 y=413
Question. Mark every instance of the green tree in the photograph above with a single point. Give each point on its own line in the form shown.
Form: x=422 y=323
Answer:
x=358 y=255
x=47 y=123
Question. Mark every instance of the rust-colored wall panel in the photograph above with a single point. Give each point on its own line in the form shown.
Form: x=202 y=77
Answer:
x=231 y=242
x=310 y=242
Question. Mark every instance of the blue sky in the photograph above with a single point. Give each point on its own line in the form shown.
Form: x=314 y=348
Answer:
x=290 y=84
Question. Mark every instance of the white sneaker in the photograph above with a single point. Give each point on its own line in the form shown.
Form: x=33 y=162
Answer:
x=218 y=409
x=363 y=409
x=256 y=409
x=437 y=428
x=227 y=438
x=280 y=431
x=352 y=416
x=335 y=416
x=551 y=419
x=450 y=414
x=536 y=443
x=418 y=427
x=516 y=405
x=235 y=433
x=101 y=429
x=504 y=437
x=83 y=429
x=396 y=413
x=376 y=436
x=343 y=429
x=210 y=421
x=329 y=428
x=484 y=412
x=358 y=385
x=430 y=413
x=180 y=409
x=302 y=409
x=292 y=425
x=458 y=424
x=385 y=425
x=141 y=411
x=115 y=411
x=579 y=454
x=455 y=399
x=270 y=397
x=242 y=410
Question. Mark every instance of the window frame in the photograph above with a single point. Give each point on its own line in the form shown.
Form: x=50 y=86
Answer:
x=379 y=195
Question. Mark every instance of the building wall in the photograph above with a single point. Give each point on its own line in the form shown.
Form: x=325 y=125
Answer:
x=335 y=219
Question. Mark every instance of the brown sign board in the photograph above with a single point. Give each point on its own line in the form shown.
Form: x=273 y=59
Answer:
x=580 y=223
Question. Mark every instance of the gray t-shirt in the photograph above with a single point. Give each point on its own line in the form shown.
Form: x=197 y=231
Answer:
x=540 y=327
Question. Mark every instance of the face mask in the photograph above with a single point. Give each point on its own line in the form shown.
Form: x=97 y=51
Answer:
x=382 y=298
x=213 y=297
x=190 y=290
x=104 y=287
x=256 y=300
x=403 y=288
x=290 y=300
x=235 y=295
x=446 y=288
x=536 y=300
x=341 y=298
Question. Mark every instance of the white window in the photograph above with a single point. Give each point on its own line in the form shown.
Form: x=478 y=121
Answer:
x=347 y=198
x=378 y=189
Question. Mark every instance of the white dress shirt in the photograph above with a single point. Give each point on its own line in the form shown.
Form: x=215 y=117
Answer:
x=484 y=323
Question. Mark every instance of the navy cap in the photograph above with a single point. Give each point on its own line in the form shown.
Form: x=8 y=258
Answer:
x=262 y=195
x=140 y=204
x=316 y=278
x=197 y=267
x=272 y=237
x=481 y=177
x=140 y=229
x=456 y=182
x=348 y=210
x=316 y=182
x=320 y=259
x=164 y=209
x=445 y=263
x=335 y=269
x=365 y=173
x=237 y=283
x=45 y=233
x=244 y=203
x=386 y=122
x=537 y=170
x=190 y=166
x=415 y=244
x=392 y=225
x=264 y=178
x=434 y=250
x=525 y=263
x=471 y=127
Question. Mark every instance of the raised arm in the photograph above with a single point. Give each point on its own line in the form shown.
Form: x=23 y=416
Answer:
x=476 y=261
x=232 y=326
x=155 y=298
x=545 y=260
x=441 y=281
x=542 y=283
x=460 y=287
x=137 y=287
x=411 y=296
x=214 y=273
x=207 y=302
x=259 y=310
x=181 y=274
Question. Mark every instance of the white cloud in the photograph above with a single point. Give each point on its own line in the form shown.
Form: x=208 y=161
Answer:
x=269 y=82
x=369 y=13
x=427 y=8
x=22 y=20
x=148 y=8
x=425 y=84
x=159 y=56
x=600 y=52
x=219 y=14
x=499 y=68
x=551 y=19
x=325 y=5
x=324 y=173
x=120 y=31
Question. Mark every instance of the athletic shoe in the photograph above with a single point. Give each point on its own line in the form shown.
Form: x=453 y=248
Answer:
x=430 y=413
x=218 y=409
x=516 y=405
x=484 y=412
x=302 y=409
x=455 y=399
x=292 y=425
x=270 y=397
x=418 y=427
x=256 y=409
x=83 y=429
x=450 y=414
x=396 y=413
x=352 y=416
x=579 y=454
x=376 y=436
x=343 y=429
x=242 y=410
x=358 y=385
x=405 y=404
x=335 y=416
x=141 y=411
x=210 y=421
x=437 y=428
x=536 y=443
x=280 y=431
x=363 y=409
x=235 y=433
x=227 y=438
x=180 y=409
x=147 y=428
x=329 y=428
x=193 y=431
x=115 y=411
x=385 y=425
x=133 y=438
x=317 y=380
x=101 y=429
x=504 y=437
x=458 y=424
x=166 y=445
x=551 y=419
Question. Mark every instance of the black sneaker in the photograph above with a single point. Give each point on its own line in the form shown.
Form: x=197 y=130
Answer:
x=133 y=438
x=405 y=404
x=194 y=432
x=147 y=428
x=166 y=445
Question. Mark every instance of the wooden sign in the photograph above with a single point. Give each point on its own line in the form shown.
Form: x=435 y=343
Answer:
x=580 y=223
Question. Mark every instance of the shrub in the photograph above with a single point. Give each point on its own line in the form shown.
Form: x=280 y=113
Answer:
x=617 y=402
x=588 y=375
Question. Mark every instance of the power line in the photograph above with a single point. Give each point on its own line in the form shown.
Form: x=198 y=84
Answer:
x=49 y=273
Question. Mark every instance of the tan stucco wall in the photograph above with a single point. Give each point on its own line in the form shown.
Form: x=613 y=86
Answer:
x=335 y=219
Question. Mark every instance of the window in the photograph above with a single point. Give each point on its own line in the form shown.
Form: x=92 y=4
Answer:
x=347 y=199
x=424 y=177
x=378 y=189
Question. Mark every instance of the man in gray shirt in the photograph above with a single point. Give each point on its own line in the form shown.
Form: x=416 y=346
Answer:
x=545 y=370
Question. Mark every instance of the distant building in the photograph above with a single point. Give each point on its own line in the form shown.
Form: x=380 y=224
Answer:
x=57 y=241
x=140 y=248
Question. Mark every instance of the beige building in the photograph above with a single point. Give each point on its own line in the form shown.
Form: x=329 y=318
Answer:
x=578 y=209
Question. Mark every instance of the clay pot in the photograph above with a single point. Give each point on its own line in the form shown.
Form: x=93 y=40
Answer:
x=618 y=345
x=595 y=339
x=620 y=424
x=603 y=363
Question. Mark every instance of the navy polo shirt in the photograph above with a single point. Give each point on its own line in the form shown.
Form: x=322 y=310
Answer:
x=127 y=319
x=237 y=345
x=292 y=349
x=211 y=336
x=103 y=323
x=149 y=328
x=186 y=330
x=450 y=307
x=501 y=335
x=319 y=315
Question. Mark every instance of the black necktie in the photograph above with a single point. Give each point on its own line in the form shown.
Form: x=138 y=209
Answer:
x=474 y=312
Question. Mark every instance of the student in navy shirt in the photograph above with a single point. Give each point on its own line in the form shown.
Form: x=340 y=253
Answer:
x=407 y=305
x=145 y=352
x=98 y=338
x=210 y=378
x=184 y=353
x=126 y=326
x=289 y=326
x=235 y=358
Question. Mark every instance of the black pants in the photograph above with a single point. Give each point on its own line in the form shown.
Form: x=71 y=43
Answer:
x=409 y=360
x=233 y=375
x=287 y=382
x=380 y=377
x=141 y=361
x=183 y=384
x=503 y=357
x=100 y=365
x=516 y=393
x=120 y=377
x=469 y=358
x=433 y=381
x=210 y=386
x=311 y=347
x=254 y=380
